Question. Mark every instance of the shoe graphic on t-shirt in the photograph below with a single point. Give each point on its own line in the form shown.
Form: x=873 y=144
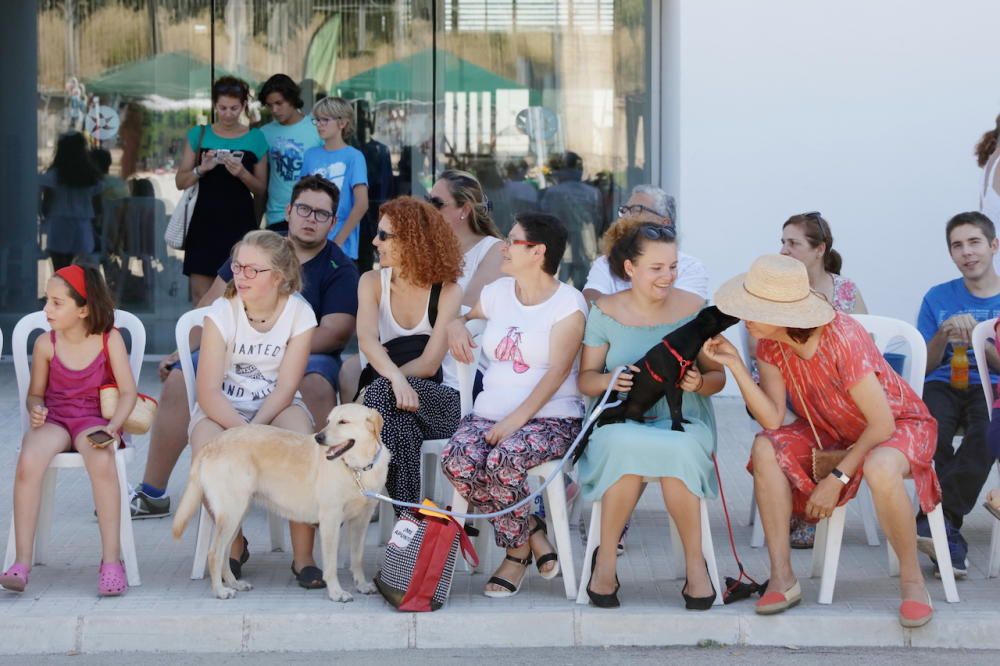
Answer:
x=249 y=370
x=509 y=350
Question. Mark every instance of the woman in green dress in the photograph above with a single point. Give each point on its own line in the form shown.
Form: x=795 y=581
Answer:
x=620 y=329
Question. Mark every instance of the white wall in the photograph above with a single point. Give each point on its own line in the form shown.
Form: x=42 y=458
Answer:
x=866 y=110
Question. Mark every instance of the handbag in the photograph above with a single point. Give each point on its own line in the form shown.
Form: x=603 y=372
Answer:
x=177 y=229
x=140 y=420
x=405 y=348
x=823 y=460
x=419 y=563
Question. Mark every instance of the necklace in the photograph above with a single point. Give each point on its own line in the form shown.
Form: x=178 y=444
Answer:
x=253 y=320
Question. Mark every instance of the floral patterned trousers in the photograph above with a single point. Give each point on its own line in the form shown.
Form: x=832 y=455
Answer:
x=492 y=477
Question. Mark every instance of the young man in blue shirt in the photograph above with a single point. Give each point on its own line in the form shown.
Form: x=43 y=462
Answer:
x=948 y=314
x=330 y=285
x=289 y=135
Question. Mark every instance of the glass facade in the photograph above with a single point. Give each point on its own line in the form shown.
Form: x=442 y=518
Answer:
x=546 y=101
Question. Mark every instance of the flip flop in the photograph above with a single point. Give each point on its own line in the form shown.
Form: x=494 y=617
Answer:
x=309 y=577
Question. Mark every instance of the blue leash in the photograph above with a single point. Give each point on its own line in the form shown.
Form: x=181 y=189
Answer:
x=594 y=415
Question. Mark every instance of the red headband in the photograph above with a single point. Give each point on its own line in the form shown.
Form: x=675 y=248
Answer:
x=75 y=277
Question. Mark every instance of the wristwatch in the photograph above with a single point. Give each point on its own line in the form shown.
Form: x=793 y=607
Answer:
x=840 y=476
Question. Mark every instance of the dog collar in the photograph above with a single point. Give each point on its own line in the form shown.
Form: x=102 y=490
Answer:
x=356 y=472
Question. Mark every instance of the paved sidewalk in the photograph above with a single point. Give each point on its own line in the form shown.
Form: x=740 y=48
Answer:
x=61 y=612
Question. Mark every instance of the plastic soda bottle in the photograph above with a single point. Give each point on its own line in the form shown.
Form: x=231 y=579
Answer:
x=960 y=367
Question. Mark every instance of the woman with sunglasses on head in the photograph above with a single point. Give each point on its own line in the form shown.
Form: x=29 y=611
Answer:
x=529 y=411
x=404 y=309
x=227 y=160
x=849 y=399
x=620 y=328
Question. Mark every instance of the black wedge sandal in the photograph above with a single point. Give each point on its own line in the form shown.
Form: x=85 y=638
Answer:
x=511 y=589
x=551 y=556
x=236 y=566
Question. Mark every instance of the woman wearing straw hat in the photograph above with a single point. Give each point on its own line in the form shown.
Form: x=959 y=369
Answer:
x=826 y=364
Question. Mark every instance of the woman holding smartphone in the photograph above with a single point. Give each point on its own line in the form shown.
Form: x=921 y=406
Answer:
x=227 y=161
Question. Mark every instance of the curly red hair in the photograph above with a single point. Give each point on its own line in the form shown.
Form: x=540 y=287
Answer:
x=429 y=251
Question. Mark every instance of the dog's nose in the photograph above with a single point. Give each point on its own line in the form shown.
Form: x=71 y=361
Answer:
x=321 y=438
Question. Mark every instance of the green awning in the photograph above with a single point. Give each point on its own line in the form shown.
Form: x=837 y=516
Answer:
x=410 y=78
x=178 y=75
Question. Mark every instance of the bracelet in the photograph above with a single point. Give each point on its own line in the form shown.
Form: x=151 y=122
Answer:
x=197 y=174
x=701 y=385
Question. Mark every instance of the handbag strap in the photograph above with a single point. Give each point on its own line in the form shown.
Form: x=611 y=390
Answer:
x=432 y=304
x=197 y=150
x=798 y=392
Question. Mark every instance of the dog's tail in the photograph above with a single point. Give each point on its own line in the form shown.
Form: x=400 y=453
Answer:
x=190 y=501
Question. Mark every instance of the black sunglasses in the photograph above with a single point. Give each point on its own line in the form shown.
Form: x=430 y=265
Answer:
x=437 y=202
x=384 y=235
x=658 y=232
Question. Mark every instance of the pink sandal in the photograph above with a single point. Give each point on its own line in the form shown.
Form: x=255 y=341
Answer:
x=112 y=581
x=15 y=579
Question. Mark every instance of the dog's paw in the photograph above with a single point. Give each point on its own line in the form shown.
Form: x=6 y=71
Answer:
x=225 y=593
x=339 y=595
x=365 y=587
x=241 y=586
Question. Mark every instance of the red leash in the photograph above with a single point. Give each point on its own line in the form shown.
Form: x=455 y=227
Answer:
x=732 y=540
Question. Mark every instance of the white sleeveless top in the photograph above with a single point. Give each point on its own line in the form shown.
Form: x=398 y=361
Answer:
x=473 y=258
x=389 y=328
x=989 y=198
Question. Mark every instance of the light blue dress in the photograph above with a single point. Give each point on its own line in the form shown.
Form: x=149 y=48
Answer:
x=651 y=448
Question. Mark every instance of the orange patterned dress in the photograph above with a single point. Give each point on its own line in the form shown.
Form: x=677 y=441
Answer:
x=845 y=356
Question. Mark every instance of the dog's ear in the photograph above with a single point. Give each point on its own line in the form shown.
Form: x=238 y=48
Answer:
x=375 y=424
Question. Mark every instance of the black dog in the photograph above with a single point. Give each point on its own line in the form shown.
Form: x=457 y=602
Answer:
x=662 y=369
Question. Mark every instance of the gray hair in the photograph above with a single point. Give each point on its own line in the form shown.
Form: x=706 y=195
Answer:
x=663 y=203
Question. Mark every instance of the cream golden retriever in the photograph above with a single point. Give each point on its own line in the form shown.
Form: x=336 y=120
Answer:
x=307 y=478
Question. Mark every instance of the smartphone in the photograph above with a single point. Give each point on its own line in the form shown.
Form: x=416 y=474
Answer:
x=219 y=152
x=99 y=439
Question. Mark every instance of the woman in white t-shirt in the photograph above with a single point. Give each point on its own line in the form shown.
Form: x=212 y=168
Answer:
x=530 y=410
x=254 y=349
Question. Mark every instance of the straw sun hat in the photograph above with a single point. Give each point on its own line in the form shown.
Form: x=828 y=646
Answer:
x=775 y=291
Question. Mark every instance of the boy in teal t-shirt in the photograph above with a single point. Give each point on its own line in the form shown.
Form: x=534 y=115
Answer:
x=289 y=135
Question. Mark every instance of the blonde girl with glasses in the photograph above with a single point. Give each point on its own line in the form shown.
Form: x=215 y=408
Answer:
x=254 y=348
x=343 y=165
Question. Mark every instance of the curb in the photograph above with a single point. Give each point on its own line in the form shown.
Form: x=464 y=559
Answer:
x=301 y=632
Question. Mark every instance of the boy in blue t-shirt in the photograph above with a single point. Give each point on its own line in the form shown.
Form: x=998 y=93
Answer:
x=948 y=314
x=289 y=135
x=342 y=165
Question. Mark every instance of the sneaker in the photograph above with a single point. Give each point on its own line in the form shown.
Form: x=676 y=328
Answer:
x=144 y=506
x=957 y=547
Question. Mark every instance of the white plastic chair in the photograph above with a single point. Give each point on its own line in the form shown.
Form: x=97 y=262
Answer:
x=677 y=561
x=983 y=335
x=182 y=332
x=431 y=449
x=19 y=343
x=830 y=531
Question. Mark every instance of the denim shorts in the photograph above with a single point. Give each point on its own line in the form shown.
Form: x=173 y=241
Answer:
x=325 y=365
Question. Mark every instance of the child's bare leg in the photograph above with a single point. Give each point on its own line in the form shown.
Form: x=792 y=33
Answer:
x=100 y=464
x=38 y=449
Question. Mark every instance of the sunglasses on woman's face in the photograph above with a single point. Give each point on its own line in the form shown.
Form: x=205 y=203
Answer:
x=384 y=235
x=437 y=202
x=508 y=241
